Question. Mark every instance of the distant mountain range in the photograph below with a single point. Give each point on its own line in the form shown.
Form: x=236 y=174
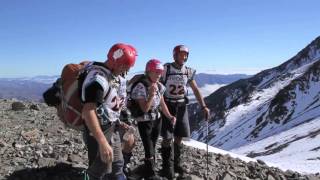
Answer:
x=273 y=115
x=38 y=79
x=203 y=79
x=23 y=89
x=31 y=88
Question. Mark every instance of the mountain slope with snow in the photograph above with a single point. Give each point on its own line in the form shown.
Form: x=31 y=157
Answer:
x=299 y=146
x=280 y=100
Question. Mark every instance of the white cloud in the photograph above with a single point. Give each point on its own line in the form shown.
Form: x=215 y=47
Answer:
x=206 y=90
x=225 y=71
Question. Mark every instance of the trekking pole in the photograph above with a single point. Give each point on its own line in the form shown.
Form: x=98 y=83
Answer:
x=207 y=142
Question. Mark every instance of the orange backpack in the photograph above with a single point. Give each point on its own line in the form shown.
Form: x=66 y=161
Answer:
x=65 y=93
x=70 y=108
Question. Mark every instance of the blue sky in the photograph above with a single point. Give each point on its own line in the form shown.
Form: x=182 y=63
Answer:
x=38 y=37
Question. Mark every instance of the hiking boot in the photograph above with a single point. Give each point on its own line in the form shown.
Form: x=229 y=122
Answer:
x=167 y=163
x=126 y=158
x=150 y=173
x=177 y=160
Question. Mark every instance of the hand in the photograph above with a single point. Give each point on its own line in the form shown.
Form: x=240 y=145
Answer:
x=106 y=152
x=122 y=103
x=173 y=120
x=124 y=125
x=153 y=88
x=206 y=113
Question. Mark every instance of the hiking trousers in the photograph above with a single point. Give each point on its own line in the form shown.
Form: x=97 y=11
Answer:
x=98 y=169
x=149 y=132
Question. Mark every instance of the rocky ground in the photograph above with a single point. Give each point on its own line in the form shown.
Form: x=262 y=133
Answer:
x=34 y=145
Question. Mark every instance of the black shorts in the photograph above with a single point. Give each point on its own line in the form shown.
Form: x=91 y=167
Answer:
x=182 y=127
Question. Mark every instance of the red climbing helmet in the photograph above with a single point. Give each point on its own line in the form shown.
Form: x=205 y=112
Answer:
x=154 y=65
x=120 y=54
x=180 y=48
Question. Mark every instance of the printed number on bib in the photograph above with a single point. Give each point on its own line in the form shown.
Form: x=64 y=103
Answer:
x=116 y=103
x=176 y=89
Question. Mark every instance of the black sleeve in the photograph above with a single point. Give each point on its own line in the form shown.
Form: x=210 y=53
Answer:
x=94 y=93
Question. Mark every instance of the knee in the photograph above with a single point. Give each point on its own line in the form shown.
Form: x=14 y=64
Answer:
x=166 y=142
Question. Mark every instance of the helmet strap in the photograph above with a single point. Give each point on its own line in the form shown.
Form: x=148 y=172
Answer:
x=177 y=65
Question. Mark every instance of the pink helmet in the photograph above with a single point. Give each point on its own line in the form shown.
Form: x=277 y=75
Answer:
x=122 y=54
x=180 y=48
x=154 y=65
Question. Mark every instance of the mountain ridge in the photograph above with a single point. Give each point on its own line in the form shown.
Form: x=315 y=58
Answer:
x=265 y=105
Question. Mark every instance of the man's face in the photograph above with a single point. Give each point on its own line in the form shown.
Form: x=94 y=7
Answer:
x=181 y=57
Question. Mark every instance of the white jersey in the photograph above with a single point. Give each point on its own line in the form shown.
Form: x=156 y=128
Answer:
x=140 y=92
x=176 y=81
x=112 y=92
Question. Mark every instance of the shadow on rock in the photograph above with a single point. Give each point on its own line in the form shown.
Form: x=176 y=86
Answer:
x=61 y=171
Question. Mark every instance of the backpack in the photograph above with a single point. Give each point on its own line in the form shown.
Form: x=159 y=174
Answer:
x=132 y=105
x=65 y=94
x=52 y=95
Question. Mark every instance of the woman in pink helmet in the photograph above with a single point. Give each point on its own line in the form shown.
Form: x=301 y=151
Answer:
x=148 y=94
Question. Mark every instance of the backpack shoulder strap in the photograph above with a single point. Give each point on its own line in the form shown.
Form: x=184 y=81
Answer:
x=144 y=81
x=90 y=67
x=168 y=65
x=159 y=88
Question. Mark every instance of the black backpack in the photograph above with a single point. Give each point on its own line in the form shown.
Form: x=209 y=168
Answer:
x=52 y=95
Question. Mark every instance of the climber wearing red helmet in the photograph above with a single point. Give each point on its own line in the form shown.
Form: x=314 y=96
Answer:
x=121 y=57
x=101 y=111
x=176 y=78
x=148 y=93
x=180 y=54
